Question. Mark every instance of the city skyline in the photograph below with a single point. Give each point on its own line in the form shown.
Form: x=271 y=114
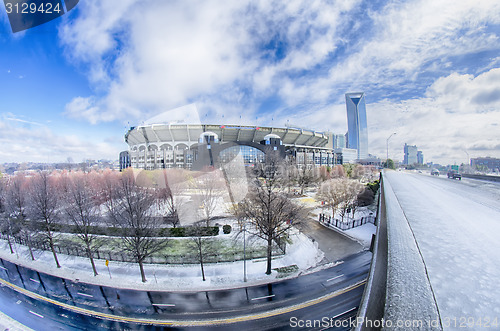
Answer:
x=74 y=86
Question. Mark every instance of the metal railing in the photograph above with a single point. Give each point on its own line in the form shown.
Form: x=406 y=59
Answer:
x=346 y=224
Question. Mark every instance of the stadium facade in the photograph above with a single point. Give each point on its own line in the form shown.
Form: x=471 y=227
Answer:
x=194 y=146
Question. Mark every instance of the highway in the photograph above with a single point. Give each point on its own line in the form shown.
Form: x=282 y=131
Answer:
x=27 y=295
x=456 y=225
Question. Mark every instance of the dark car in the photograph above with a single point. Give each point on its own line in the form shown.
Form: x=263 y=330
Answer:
x=454 y=175
x=435 y=172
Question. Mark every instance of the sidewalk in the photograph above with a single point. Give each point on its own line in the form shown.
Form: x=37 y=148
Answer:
x=302 y=252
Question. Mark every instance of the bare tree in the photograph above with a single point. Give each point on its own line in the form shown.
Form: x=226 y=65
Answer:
x=170 y=184
x=269 y=212
x=350 y=191
x=202 y=244
x=339 y=193
x=306 y=176
x=131 y=211
x=43 y=199
x=83 y=212
x=6 y=225
x=331 y=192
x=208 y=187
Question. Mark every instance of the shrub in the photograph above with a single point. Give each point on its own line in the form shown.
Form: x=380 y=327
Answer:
x=226 y=229
x=177 y=232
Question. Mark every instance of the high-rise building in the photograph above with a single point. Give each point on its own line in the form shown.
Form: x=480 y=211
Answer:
x=410 y=156
x=420 y=157
x=357 y=134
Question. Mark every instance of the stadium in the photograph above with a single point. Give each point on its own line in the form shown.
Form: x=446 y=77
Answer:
x=194 y=146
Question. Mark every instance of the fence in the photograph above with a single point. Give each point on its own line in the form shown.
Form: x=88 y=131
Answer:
x=158 y=259
x=345 y=225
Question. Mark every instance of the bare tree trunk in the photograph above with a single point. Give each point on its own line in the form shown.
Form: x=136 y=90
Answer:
x=269 y=255
x=10 y=244
x=53 y=249
x=31 y=249
x=143 y=274
x=89 y=252
x=201 y=263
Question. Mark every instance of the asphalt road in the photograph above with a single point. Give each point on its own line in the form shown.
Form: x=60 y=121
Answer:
x=335 y=245
x=64 y=302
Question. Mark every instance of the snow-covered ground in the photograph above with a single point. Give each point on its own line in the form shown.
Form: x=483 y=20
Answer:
x=9 y=324
x=302 y=252
x=457 y=228
x=362 y=234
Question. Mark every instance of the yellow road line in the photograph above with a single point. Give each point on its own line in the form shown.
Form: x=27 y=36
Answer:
x=210 y=322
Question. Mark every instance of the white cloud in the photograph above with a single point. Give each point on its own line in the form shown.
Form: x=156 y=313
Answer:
x=34 y=142
x=459 y=113
x=150 y=56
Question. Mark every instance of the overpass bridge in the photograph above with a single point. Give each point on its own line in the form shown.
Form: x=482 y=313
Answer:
x=436 y=261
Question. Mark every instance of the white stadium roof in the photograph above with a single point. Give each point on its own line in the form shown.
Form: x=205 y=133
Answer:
x=181 y=133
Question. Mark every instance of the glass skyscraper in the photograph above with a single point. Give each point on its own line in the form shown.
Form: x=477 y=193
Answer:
x=357 y=134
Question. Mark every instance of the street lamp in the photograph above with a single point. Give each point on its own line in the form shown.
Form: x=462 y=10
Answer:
x=244 y=251
x=387 y=156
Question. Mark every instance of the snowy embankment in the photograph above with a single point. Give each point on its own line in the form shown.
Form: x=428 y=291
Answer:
x=301 y=252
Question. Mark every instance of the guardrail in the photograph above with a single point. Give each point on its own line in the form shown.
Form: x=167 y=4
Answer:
x=483 y=177
x=398 y=295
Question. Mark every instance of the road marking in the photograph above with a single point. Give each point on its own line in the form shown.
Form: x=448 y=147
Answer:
x=267 y=296
x=184 y=323
x=34 y=280
x=18 y=302
x=85 y=295
x=347 y=311
x=334 y=278
x=3 y=268
x=164 y=304
x=36 y=314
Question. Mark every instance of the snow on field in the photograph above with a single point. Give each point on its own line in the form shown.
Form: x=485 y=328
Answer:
x=302 y=252
x=457 y=227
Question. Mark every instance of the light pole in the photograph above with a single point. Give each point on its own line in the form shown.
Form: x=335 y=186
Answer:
x=387 y=156
x=468 y=159
x=244 y=251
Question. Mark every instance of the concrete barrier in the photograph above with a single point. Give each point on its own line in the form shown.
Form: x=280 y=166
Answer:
x=483 y=177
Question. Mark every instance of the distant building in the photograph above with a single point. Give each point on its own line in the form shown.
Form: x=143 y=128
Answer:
x=420 y=157
x=357 y=134
x=410 y=154
x=488 y=162
x=339 y=141
x=124 y=160
x=346 y=155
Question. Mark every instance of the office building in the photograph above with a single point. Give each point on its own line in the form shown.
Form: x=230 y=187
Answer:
x=357 y=133
x=412 y=155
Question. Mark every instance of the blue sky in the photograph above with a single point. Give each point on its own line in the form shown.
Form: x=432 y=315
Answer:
x=430 y=71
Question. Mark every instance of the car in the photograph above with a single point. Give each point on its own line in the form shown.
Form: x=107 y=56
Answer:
x=453 y=174
x=435 y=172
